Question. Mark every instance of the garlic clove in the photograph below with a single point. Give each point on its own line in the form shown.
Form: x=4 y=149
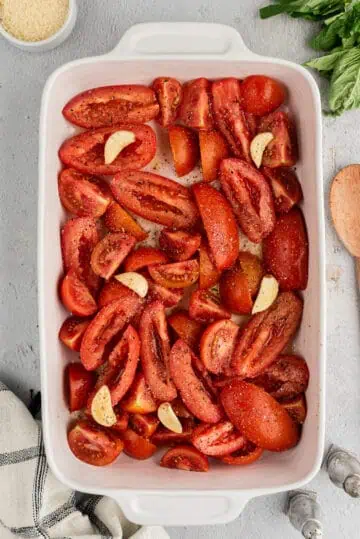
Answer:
x=116 y=143
x=168 y=418
x=258 y=146
x=269 y=289
x=101 y=408
x=134 y=281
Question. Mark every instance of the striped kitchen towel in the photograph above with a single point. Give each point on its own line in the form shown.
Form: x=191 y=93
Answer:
x=34 y=503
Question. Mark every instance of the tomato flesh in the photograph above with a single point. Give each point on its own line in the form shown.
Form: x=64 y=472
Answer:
x=169 y=297
x=296 y=408
x=137 y=446
x=113 y=290
x=217 y=440
x=179 y=244
x=205 y=307
x=139 y=399
x=122 y=420
x=144 y=425
x=242 y=457
x=116 y=219
x=186 y=329
x=184 y=148
x=195 y=110
x=261 y=95
x=175 y=275
x=72 y=331
x=80 y=383
x=235 y=292
x=110 y=252
x=282 y=150
x=76 y=296
x=143 y=257
x=213 y=149
x=186 y=458
x=286 y=378
x=164 y=436
x=209 y=275
x=285 y=186
x=94 y=445
x=217 y=345
x=169 y=94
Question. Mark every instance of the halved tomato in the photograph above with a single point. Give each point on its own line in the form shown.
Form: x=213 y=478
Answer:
x=85 y=152
x=180 y=409
x=143 y=257
x=285 y=186
x=208 y=274
x=112 y=290
x=185 y=457
x=195 y=110
x=286 y=378
x=137 y=446
x=112 y=105
x=155 y=198
x=175 y=275
x=110 y=252
x=94 y=445
x=250 y=197
x=217 y=440
x=186 y=329
x=184 y=148
x=205 y=307
x=144 y=425
x=122 y=420
x=169 y=94
x=82 y=194
x=261 y=95
x=213 y=149
x=242 y=457
x=259 y=416
x=155 y=351
x=76 y=296
x=164 y=436
x=169 y=297
x=116 y=219
x=139 y=399
x=72 y=331
x=282 y=150
x=80 y=383
x=220 y=225
x=217 y=345
x=296 y=408
x=178 y=244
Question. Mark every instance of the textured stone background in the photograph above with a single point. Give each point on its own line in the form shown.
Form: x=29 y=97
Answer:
x=22 y=76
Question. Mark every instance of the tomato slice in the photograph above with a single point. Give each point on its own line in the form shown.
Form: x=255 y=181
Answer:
x=217 y=345
x=82 y=194
x=155 y=198
x=164 y=436
x=242 y=457
x=220 y=225
x=139 y=399
x=205 y=307
x=286 y=251
x=143 y=257
x=260 y=418
x=261 y=95
x=235 y=291
x=110 y=252
x=169 y=94
x=111 y=105
x=192 y=390
x=252 y=266
x=85 y=152
x=94 y=445
x=286 y=378
x=169 y=297
x=282 y=150
x=180 y=409
x=76 y=296
x=184 y=148
x=122 y=420
x=108 y=322
x=186 y=329
x=155 y=351
x=213 y=149
x=116 y=219
x=195 y=110
x=296 y=408
x=250 y=197
x=175 y=275
x=230 y=119
x=144 y=425
x=208 y=274
x=80 y=383
x=72 y=331
x=186 y=458
x=137 y=446
x=217 y=440
x=266 y=335
x=285 y=186
x=78 y=239
x=114 y=290
x=178 y=244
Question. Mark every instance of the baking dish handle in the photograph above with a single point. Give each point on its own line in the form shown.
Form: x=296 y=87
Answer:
x=181 y=509
x=179 y=38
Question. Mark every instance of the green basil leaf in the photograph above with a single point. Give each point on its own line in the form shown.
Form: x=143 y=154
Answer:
x=325 y=63
x=345 y=82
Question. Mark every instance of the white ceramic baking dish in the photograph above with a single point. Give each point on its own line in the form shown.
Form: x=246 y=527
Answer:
x=147 y=493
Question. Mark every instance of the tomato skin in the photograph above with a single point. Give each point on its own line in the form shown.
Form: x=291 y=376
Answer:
x=260 y=418
x=192 y=390
x=137 y=446
x=184 y=148
x=247 y=455
x=208 y=275
x=113 y=290
x=282 y=150
x=296 y=408
x=139 y=399
x=261 y=95
x=179 y=245
x=286 y=378
x=175 y=275
x=235 y=292
x=143 y=257
x=186 y=458
x=217 y=440
x=112 y=105
x=217 y=345
x=110 y=252
x=169 y=297
x=94 y=445
x=85 y=152
x=155 y=351
x=82 y=194
x=144 y=425
x=169 y=95
x=205 y=307
x=213 y=149
x=285 y=186
x=122 y=420
x=116 y=219
x=195 y=109
x=80 y=383
x=180 y=409
x=72 y=331
x=76 y=296
x=220 y=225
x=286 y=251
x=250 y=197
x=155 y=198
x=186 y=329
x=164 y=436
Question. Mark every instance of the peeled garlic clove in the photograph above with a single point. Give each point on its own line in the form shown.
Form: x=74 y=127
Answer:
x=168 y=418
x=258 y=146
x=116 y=143
x=134 y=281
x=101 y=408
x=269 y=289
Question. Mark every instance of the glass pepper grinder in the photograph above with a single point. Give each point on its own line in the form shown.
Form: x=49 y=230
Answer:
x=304 y=513
x=344 y=470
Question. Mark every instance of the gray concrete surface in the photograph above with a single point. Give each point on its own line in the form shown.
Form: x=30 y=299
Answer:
x=100 y=25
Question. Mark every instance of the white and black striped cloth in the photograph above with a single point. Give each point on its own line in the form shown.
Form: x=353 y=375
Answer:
x=34 y=503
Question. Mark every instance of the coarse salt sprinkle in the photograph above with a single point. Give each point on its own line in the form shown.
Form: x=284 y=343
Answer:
x=33 y=20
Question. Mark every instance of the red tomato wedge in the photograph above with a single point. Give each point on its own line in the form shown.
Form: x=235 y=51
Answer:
x=186 y=329
x=235 y=291
x=179 y=244
x=296 y=408
x=242 y=457
x=82 y=194
x=143 y=257
x=85 y=152
x=155 y=351
x=250 y=197
x=169 y=297
x=110 y=252
x=285 y=186
x=208 y=274
x=114 y=290
x=230 y=119
x=217 y=440
x=286 y=378
x=94 y=445
x=116 y=219
x=213 y=149
x=282 y=150
x=195 y=110
x=122 y=420
x=80 y=383
x=260 y=418
x=205 y=307
x=72 y=331
x=192 y=390
x=76 y=296
x=155 y=198
x=164 y=436
x=286 y=251
x=137 y=446
x=175 y=275
x=220 y=225
x=180 y=409
x=261 y=95
x=111 y=105
x=144 y=425
x=217 y=345
x=184 y=148
x=186 y=458
x=139 y=399
x=169 y=94
x=108 y=323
